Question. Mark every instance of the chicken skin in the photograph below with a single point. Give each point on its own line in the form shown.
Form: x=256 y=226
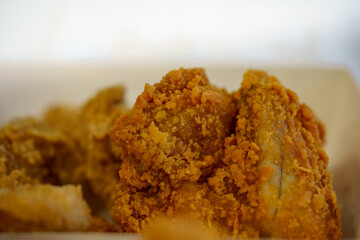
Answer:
x=275 y=166
x=170 y=143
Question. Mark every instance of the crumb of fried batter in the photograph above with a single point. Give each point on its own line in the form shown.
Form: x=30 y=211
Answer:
x=250 y=164
x=170 y=143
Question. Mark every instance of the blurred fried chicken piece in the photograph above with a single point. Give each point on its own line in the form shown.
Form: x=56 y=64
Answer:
x=43 y=207
x=170 y=143
x=26 y=204
x=275 y=167
x=270 y=181
x=88 y=127
x=45 y=154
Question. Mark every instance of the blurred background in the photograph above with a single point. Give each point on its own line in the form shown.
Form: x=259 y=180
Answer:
x=286 y=33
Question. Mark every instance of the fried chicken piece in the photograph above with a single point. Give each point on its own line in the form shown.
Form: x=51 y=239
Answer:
x=66 y=119
x=88 y=127
x=103 y=158
x=10 y=177
x=170 y=143
x=29 y=147
x=271 y=181
x=43 y=207
x=275 y=166
x=46 y=155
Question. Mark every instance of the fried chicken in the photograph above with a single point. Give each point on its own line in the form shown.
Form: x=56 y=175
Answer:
x=30 y=154
x=181 y=155
x=248 y=164
x=70 y=146
x=45 y=154
x=170 y=143
x=88 y=127
x=275 y=168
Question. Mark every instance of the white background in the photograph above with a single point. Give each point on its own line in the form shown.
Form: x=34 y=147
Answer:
x=221 y=32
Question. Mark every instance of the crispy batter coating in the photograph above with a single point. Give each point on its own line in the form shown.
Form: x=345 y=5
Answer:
x=66 y=120
x=275 y=168
x=88 y=127
x=43 y=207
x=10 y=177
x=250 y=164
x=46 y=155
x=270 y=181
x=26 y=204
x=170 y=142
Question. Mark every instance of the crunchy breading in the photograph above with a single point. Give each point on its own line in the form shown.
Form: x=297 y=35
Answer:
x=88 y=127
x=275 y=168
x=265 y=178
x=248 y=164
x=31 y=154
x=170 y=142
x=45 y=154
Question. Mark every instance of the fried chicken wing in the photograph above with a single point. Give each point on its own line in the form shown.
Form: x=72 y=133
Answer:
x=276 y=167
x=88 y=127
x=170 y=142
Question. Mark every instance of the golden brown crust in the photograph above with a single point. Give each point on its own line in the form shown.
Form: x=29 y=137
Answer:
x=171 y=141
x=32 y=153
x=271 y=180
x=88 y=128
x=103 y=160
x=276 y=163
x=44 y=153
